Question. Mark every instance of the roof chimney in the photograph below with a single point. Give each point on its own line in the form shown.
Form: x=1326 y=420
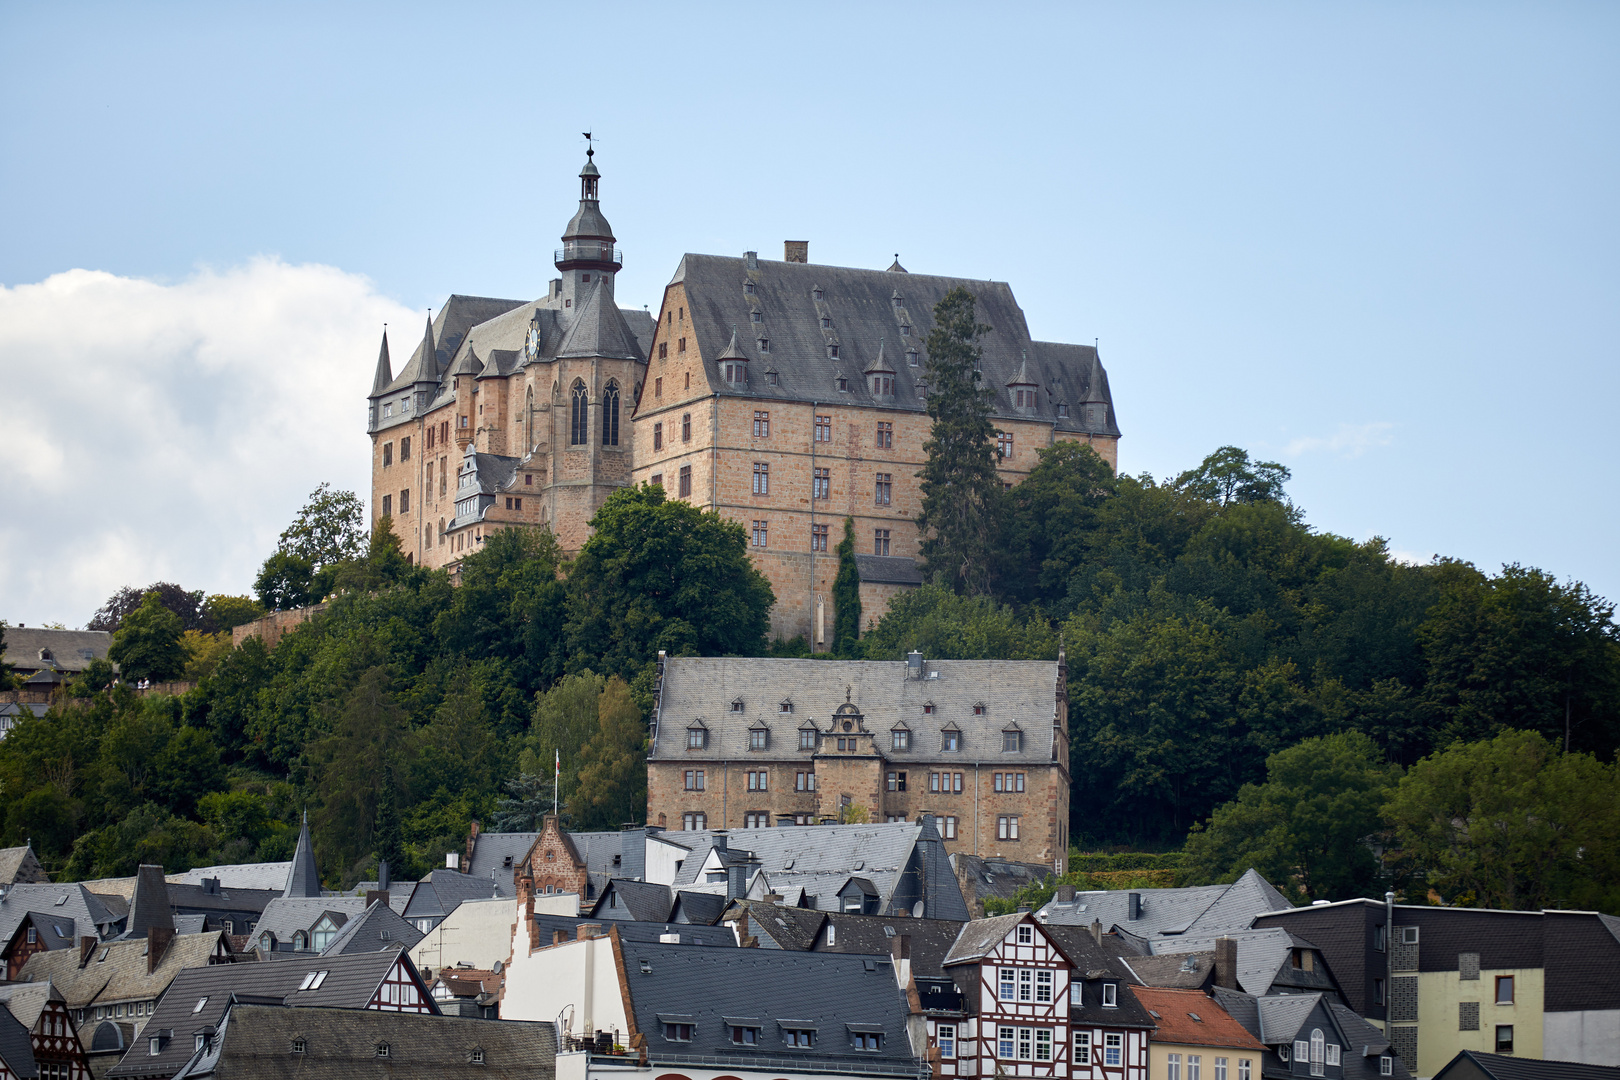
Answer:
x=1226 y=963
x=1134 y=910
x=1096 y=931
x=737 y=881
x=796 y=251
x=1064 y=894
x=157 y=942
x=587 y=930
x=914 y=664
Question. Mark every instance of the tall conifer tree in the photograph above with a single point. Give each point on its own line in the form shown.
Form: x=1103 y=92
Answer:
x=959 y=484
x=846 y=596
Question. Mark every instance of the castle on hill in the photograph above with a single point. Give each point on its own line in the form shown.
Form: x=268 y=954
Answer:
x=785 y=395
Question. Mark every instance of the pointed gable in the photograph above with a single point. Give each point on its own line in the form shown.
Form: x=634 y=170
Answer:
x=599 y=330
x=304 y=878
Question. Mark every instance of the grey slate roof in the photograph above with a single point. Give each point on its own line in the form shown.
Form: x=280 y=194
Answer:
x=19 y=864
x=770 y=989
x=599 y=329
x=1260 y=953
x=865 y=317
x=443 y=890
x=704 y=688
x=69 y=650
x=17 y=1047
x=69 y=900
x=351 y=983
x=285 y=915
x=54 y=932
x=26 y=1001
x=1189 y=971
x=257 y=876
x=117 y=971
x=150 y=907
x=1281 y=1017
x=995 y=876
x=703 y=909
x=342 y=1043
x=447 y=330
x=1478 y=1065
x=646 y=932
x=641 y=901
x=303 y=876
x=495 y=857
x=816 y=861
x=980 y=936
x=378 y=927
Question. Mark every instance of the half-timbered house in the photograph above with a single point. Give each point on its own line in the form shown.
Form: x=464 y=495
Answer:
x=52 y=1038
x=1029 y=1000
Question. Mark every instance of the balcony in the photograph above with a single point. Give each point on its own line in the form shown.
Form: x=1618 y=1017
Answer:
x=589 y=251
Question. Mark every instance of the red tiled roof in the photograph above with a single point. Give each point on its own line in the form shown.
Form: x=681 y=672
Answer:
x=1191 y=1018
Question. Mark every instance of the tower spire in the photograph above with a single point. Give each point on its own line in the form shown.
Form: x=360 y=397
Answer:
x=429 y=371
x=304 y=877
x=385 y=370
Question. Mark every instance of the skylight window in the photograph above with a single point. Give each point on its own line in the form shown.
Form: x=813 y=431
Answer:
x=197 y=1008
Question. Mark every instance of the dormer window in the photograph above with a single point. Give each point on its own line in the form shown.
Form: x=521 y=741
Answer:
x=883 y=385
x=770 y=378
x=1110 y=995
x=764 y=345
x=1012 y=741
x=911 y=357
x=928 y=709
x=950 y=741
x=748 y=287
x=736 y=704
x=826 y=323
x=899 y=739
x=756 y=316
x=759 y=738
x=697 y=737
x=978 y=710
x=785 y=706
x=807 y=738
x=905 y=329
x=734 y=372
x=843 y=385
x=1063 y=409
x=815 y=294
x=832 y=352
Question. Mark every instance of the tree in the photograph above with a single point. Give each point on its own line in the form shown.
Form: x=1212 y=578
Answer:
x=149 y=643
x=846 y=596
x=658 y=574
x=566 y=717
x=1051 y=521
x=1305 y=829
x=189 y=606
x=1511 y=822
x=228 y=612
x=387 y=841
x=350 y=766
x=960 y=489
x=612 y=788
x=285 y=582
x=1228 y=476
x=329 y=529
x=945 y=626
x=526 y=802
x=7 y=672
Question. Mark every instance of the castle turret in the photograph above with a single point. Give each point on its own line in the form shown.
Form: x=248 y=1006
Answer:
x=588 y=256
x=303 y=877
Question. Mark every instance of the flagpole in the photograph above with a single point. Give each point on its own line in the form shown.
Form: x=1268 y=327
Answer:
x=556 y=775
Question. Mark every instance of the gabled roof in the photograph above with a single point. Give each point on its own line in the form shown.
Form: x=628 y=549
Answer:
x=1188 y=971
x=68 y=900
x=54 y=932
x=116 y=970
x=784 y=926
x=980 y=936
x=17 y=1047
x=1260 y=953
x=377 y=928
x=342 y=1043
x=490 y=852
x=18 y=864
x=199 y=997
x=1191 y=1018
x=701 y=908
x=284 y=915
x=443 y=890
x=149 y=910
x=26 y=1001
x=599 y=329
x=70 y=650
x=1282 y=1016
x=643 y=901
x=1199 y=910
x=1502 y=1067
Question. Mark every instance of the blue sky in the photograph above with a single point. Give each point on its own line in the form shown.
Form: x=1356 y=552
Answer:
x=1374 y=241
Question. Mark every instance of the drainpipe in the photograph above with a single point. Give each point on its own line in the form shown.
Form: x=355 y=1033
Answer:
x=1389 y=960
x=814 y=600
x=725 y=792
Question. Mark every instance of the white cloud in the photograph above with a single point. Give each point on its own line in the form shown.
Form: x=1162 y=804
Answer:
x=1351 y=440
x=169 y=432
x=1410 y=558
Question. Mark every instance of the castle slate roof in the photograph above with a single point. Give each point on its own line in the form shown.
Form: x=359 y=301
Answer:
x=447 y=330
x=343 y=1043
x=116 y=971
x=599 y=329
x=199 y=997
x=834 y=994
x=865 y=315
x=18 y=864
x=69 y=900
x=706 y=688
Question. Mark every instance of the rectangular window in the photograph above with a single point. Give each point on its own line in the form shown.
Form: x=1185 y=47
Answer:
x=686 y=482
x=388 y=454
x=658 y=436
x=818 y=538
x=761 y=533
x=946 y=1040
x=807 y=739
x=686 y=427
x=762 y=478
x=680 y=346
x=883 y=489
x=1008 y=984
x=897 y=781
x=1504 y=989
x=696 y=738
x=1007 y=827
x=821 y=484
x=1195 y=1063
x=658 y=384
x=1504 y=1038
x=694 y=779
x=1378 y=991
x=759 y=781
x=1082 y=1048
x=885 y=436
x=1012 y=742
x=1220 y=1069
x=1024 y=1040
x=1113 y=1049
x=1077 y=993
x=1043 y=986
x=1026 y=985
x=388 y=506
x=1333 y=1054
x=657 y=480
x=880 y=542
x=899 y=739
x=1172 y=1067
x=868 y=1040
x=762 y=425
x=1004 y=1042
x=663 y=350
x=1004 y=445
x=1110 y=995
x=758 y=738
x=950 y=829
x=823 y=429
x=956 y=779
x=804 y=781
x=799 y=1038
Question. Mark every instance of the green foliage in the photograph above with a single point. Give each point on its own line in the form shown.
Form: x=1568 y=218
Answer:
x=526 y=802
x=8 y=678
x=1228 y=476
x=612 y=788
x=329 y=529
x=1306 y=829
x=1511 y=822
x=945 y=626
x=1036 y=895
x=1051 y=521
x=190 y=607
x=349 y=767
x=661 y=575
x=286 y=582
x=226 y=612
x=961 y=493
x=846 y=597
x=148 y=643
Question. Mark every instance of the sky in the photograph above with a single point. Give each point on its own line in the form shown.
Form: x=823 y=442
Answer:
x=1376 y=242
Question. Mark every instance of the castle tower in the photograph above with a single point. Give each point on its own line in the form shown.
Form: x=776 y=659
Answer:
x=588 y=257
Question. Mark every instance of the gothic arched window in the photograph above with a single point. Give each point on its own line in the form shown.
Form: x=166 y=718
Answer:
x=610 y=415
x=577 y=416
x=441 y=532
x=528 y=418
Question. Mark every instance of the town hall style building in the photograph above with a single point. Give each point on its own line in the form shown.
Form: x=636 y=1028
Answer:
x=786 y=396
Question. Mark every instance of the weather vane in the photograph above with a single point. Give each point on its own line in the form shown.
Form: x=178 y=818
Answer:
x=590 y=150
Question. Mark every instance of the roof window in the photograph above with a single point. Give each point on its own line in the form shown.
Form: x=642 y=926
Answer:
x=383 y=1050
x=815 y=293
x=197 y=1008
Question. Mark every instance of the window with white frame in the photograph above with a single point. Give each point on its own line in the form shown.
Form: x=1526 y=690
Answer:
x=900 y=739
x=1043 y=986
x=1004 y=1042
x=1026 y=934
x=807 y=738
x=1110 y=995
x=1113 y=1049
x=950 y=829
x=1220 y=1069
x=1195 y=1067
x=946 y=1040
x=1026 y=985
x=1026 y=1040
x=1082 y=1047
x=1008 y=984
x=1043 y=1044
x=1172 y=1067
x=1077 y=993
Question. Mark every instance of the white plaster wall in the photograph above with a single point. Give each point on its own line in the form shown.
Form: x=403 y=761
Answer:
x=1591 y=1037
x=661 y=860
x=476 y=932
x=575 y=984
x=563 y=903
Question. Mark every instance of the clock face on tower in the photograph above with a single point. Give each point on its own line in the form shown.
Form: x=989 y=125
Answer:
x=532 y=346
